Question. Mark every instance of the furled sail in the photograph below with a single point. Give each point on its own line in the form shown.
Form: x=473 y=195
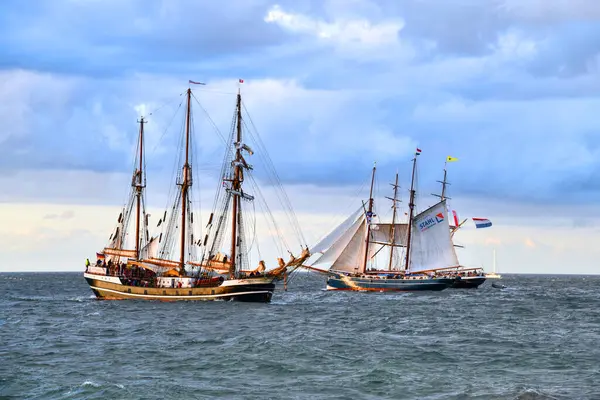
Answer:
x=119 y=252
x=431 y=244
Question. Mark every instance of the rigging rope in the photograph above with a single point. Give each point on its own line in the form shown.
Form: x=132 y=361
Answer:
x=269 y=164
x=167 y=128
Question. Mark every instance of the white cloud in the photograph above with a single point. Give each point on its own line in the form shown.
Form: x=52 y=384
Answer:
x=365 y=91
x=512 y=45
x=354 y=37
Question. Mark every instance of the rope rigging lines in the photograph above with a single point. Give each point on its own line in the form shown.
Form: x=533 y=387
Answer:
x=210 y=238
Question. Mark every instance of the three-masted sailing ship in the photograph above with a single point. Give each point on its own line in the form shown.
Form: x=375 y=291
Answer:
x=151 y=270
x=349 y=252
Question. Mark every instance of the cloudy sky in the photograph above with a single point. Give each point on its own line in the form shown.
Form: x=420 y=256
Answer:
x=510 y=87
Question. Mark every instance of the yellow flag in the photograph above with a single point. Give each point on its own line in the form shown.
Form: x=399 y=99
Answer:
x=450 y=159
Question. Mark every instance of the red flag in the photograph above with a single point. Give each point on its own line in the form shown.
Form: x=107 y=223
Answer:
x=418 y=150
x=196 y=83
x=241 y=81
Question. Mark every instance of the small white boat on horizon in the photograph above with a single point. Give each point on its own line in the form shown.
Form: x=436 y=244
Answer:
x=493 y=274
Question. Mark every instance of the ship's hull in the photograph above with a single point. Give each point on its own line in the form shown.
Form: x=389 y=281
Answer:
x=251 y=290
x=343 y=282
x=468 y=282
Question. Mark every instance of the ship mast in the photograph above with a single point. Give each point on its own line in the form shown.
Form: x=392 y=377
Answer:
x=235 y=187
x=393 y=226
x=139 y=186
x=369 y=216
x=185 y=183
x=411 y=205
x=444 y=183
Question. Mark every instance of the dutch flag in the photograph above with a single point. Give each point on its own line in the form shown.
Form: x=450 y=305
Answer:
x=482 y=222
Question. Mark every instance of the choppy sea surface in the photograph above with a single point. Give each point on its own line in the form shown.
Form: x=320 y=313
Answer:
x=537 y=339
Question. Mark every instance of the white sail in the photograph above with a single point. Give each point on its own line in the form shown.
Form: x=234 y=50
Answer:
x=381 y=233
x=150 y=250
x=352 y=256
x=336 y=234
x=431 y=244
x=347 y=252
x=380 y=239
x=338 y=249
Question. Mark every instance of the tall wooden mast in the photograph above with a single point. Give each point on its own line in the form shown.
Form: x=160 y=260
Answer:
x=393 y=226
x=369 y=216
x=139 y=185
x=235 y=187
x=411 y=205
x=185 y=183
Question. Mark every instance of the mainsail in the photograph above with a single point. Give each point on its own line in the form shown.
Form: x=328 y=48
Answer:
x=431 y=243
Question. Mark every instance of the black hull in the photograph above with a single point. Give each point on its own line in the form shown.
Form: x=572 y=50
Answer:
x=468 y=283
x=258 y=290
x=361 y=284
x=256 y=297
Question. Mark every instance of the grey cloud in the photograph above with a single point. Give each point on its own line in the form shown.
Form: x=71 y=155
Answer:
x=567 y=34
x=551 y=11
x=116 y=37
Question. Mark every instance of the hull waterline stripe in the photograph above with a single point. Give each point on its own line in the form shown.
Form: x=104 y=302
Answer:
x=154 y=296
x=380 y=289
